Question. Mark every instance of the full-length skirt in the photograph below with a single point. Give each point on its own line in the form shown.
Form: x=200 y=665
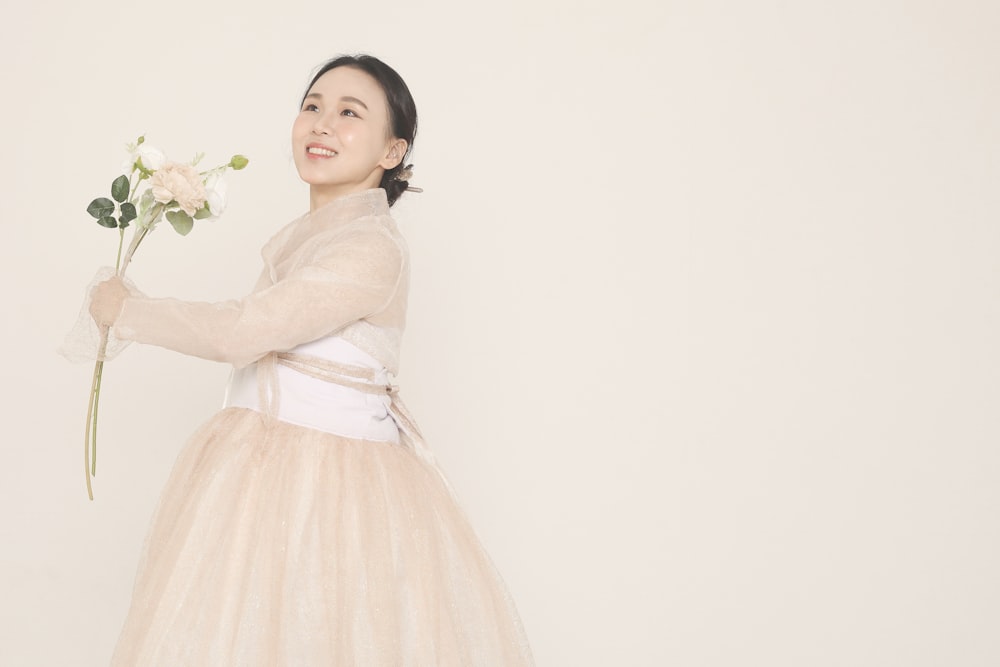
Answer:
x=275 y=544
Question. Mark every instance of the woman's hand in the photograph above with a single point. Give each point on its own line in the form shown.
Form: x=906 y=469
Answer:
x=106 y=301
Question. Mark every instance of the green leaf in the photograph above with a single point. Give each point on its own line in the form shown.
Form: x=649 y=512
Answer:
x=119 y=189
x=145 y=201
x=101 y=207
x=203 y=212
x=180 y=221
x=128 y=214
x=238 y=162
x=107 y=221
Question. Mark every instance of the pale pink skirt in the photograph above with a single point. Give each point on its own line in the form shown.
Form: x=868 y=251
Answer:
x=276 y=544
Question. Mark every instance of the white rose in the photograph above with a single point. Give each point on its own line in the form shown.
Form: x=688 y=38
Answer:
x=180 y=183
x=215 y=189
x=152 y=158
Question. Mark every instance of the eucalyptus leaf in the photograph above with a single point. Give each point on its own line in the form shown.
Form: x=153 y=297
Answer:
x=203 y=212
x=107 y=221
x=180 y=221
x=128 y=214
x=119 y=189
x=101 y=207
x=145 y=201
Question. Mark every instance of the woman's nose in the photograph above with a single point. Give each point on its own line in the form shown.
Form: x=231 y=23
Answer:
x=322 y=125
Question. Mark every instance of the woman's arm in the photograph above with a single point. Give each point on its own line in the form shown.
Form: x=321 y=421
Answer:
x=355 y=279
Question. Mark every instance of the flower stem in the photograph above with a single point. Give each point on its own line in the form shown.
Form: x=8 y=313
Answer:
x=135 y=184
x=93 y=426
x=89 y=443
x=137 y=238
x=90 y=436
x=121 y=242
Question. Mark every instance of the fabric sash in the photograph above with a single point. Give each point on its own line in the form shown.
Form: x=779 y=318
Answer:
x=355 y=377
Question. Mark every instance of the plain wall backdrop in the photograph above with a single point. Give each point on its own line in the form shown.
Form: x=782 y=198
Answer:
x=704 y=312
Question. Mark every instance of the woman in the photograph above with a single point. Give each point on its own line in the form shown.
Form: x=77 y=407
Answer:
x=304 y=524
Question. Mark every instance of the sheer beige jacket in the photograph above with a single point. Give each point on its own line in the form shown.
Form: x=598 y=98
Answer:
x=342 y=269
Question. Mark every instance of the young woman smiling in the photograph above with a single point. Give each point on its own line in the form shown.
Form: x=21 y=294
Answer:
x=305 y=523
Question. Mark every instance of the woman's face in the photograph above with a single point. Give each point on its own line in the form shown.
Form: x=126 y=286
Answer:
x=341 y=141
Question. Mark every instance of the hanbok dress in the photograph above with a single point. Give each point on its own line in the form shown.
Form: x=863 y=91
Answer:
x=305 y=523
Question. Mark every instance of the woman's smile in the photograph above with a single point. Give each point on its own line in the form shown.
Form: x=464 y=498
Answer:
x=318 y=151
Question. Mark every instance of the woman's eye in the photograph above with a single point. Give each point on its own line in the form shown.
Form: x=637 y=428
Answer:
x=310 y=107
x=349 y=112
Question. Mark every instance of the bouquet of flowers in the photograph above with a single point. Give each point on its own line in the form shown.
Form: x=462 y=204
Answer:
x=151 y=189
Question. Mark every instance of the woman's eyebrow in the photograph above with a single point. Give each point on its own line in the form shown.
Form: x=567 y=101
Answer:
x=348 y=98
x=345 y=98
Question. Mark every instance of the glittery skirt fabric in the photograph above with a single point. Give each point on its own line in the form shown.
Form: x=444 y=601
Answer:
x=275 y=544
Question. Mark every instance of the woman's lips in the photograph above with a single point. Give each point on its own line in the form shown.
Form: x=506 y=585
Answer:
x=314 y=150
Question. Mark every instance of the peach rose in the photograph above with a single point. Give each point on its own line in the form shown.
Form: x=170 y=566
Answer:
x=180 y=183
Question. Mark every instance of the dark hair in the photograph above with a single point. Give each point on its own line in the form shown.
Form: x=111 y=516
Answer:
x=402 y=111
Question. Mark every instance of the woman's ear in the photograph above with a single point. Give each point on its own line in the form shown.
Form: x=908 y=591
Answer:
x=394 y=155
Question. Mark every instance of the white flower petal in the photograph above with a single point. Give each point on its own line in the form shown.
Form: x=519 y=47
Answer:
x=152 y=158
x=215 y=191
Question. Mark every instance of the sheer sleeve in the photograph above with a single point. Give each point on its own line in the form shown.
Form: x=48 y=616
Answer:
x=329 y=287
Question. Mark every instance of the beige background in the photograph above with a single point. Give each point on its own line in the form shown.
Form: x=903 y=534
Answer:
x=704 y=318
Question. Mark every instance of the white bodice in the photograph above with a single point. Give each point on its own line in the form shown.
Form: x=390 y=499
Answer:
x=318 y=404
